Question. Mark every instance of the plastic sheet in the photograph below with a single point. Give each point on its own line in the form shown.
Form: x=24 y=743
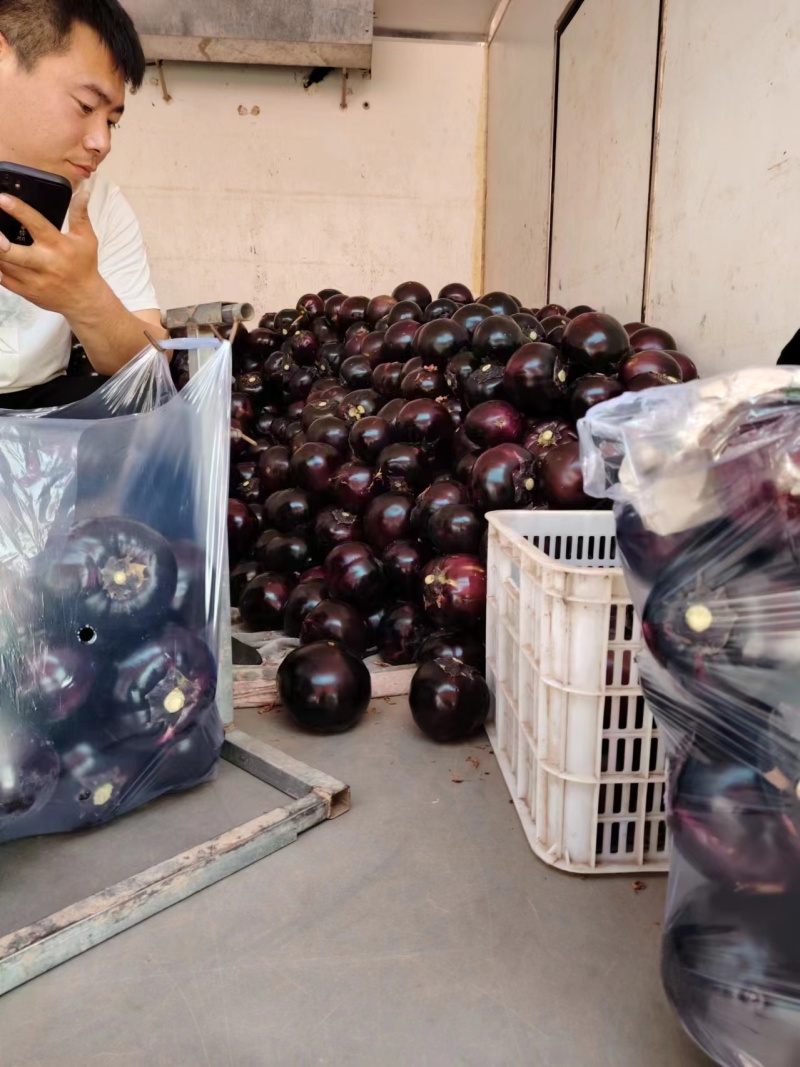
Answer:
x=112 y=544
x=705 y=479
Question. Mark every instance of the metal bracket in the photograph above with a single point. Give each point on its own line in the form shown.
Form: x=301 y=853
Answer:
x=38 y=948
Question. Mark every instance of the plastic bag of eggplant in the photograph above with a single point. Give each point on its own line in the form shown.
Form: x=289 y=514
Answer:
x=112 y=543
x=705 y=479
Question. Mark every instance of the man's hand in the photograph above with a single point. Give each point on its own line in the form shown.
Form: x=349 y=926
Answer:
x=58 y=272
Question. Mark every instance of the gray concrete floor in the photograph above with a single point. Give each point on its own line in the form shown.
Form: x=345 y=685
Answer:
x=418 y=930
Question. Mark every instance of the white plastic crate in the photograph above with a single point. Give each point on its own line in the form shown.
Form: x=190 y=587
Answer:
x=578 y=747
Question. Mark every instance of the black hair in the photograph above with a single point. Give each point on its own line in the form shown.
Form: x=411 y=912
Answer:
x=37 y=28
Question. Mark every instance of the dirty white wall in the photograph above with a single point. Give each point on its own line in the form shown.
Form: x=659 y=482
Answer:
x=606 y=88
x=725 y=266
x=250 y=188
x=519 y=149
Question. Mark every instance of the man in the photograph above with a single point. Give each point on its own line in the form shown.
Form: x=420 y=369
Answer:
x=64 y=66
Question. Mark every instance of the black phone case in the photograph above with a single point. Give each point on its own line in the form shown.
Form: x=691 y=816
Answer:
x=49 y=194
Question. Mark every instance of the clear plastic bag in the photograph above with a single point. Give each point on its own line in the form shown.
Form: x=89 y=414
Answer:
x=112 y=545
x=705 y=479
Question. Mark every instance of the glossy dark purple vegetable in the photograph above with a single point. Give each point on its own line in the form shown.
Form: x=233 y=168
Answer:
x=289 y=511
x=648 y=361
x=304 y=347
x=378 y=307
x=466 y=647
x=242 y=574
x=353 y=574
x=55 y=681
x=425 y=422
x=423 y=383
x=108 y=575
x=29 y=769
x=317 y=407
x=313 y=466
x=324 y=687
x=403 y=468
x=441 y=308
x=735 y=828
x=456 y=529
x=398 y=340
x=372 y=349
x=649 y=380
x=328 y=430
x=287 y=553
x=402 y=562
x=404 y=311
x=550 y=310
x=456 y=292
x=334 y=526
x=401 y=632
x=335 y=620
x=471 y=315
x=263 y=600
x=439 y=340
x=729 y=966
x=436 y=496
x=500 y=303
x=458 y=369
x=454 y=591
x=546 y=434
x=485 y=383
x=242 y=409
x=353 y=486
x=415 y=291
x=592 y=343
x=369 y=437
x=503 y=477
x=312 y=304
x=497 y=338
x=351 y=310
x=687 y=366
x=387 y=518
x=529 y=379
x=561 y=478
x=305 y=596
x=357 y=405
x=589 y=390
x=530 y=326
x=386 y=379
x=449 y=701
x=651 y=337
x=391 y=410
x=165 y=682
x=494 y=422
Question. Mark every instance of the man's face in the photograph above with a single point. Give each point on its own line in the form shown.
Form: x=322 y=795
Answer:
x=58 y=117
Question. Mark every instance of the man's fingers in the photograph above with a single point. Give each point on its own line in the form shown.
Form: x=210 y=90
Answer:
x=37 y=225
x=79 y=213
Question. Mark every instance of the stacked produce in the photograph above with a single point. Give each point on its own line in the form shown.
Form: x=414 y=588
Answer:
x=370 y=437
x=108 y=639
x=706 y=488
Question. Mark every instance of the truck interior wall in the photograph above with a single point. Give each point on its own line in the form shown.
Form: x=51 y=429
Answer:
x=250 y=187
x=604 y=140
x=519 y=141
x=722 y=268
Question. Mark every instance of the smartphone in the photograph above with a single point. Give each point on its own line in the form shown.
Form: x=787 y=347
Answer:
x=49 y=194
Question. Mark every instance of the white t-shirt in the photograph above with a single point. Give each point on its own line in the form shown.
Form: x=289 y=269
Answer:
x=35 y=344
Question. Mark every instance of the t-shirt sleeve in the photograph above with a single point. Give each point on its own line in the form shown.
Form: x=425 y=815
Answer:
x=122 y=259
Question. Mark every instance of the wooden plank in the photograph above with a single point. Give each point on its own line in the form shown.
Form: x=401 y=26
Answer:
x=283 y=772
x=35 y=949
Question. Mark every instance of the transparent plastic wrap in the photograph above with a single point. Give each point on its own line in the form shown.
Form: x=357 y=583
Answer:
x=705 y=480
x=112 y=546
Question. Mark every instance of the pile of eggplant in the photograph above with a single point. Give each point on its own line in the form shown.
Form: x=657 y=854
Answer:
x=370 y=437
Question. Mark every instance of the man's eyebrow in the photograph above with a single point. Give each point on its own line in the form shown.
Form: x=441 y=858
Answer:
x=98 y=92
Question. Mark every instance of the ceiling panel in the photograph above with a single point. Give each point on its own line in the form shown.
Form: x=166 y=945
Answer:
x=434 y=16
